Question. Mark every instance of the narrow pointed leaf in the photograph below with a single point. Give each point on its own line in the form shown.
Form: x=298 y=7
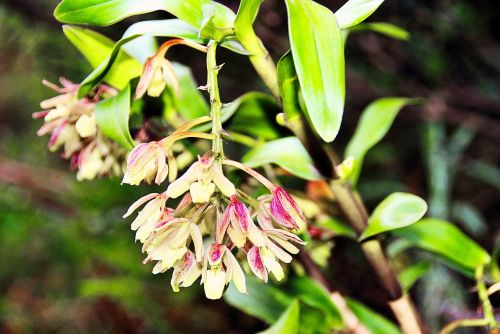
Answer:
x=288 y=153
x=288 y=322
x=355 y=11
x=410 y=275
x=107 y=12
x=289 y=86
x=94 y=46
x=396 y=210
x=373 y=125
x=447 y=241
x=112 y=117
x=376 y=323
x=318 y=55
x=384 y=28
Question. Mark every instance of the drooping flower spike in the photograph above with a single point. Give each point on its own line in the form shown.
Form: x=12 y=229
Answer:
x=212 y=206
x=71 y=124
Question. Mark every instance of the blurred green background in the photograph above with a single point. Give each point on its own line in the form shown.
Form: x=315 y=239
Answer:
x=68 y=262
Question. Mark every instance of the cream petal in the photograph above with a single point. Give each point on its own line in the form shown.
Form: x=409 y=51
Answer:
x=215 y=283
x=238 y=276
x=200 y=192
x=271 y=264
x=278 y=252
x=225 y=186
x=255 y=235
x=236 y=237
x=197 y=241
x=288 y=246
x=138 y=203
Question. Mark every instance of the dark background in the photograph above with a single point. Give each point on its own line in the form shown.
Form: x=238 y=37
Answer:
x=68 y=262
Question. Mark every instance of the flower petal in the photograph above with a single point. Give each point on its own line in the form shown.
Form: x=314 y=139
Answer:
x=256 y=264
x=197 y=241
x=139 y=202
x=214 y=283
x=215 y=253
x=238 y=276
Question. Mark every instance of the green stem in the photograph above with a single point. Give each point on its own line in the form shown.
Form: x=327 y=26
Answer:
x=215 y=103
x=482 y=292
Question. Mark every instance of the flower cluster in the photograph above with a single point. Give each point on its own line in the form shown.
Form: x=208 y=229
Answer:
x=72 y=125
x=212 y=226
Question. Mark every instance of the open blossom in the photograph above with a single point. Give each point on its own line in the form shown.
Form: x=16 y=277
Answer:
x=147 y=161
x=201 y=179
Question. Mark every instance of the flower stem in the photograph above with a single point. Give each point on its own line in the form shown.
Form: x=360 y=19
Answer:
x=482 y=292
x=215 y=103
x=256 y=175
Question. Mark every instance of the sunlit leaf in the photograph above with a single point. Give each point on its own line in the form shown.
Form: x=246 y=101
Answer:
x=288 y=322
x=263 y=301
x=373 y=125
x=446 y=240
x=318 y=55
x=112 y=116
x=411 y=274
x=288 y=153
x=355 y=11
x=384 y=28
x=94 y=46
x=395 y=211
x=190 y=102
x=376 y=323
x=252 y=113
x=337 y=227
x=289 y=86
x=107 y=12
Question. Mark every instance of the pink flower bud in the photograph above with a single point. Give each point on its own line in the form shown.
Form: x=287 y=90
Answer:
x=285 y=210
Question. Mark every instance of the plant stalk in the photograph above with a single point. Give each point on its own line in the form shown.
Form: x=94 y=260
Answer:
x=215 y=103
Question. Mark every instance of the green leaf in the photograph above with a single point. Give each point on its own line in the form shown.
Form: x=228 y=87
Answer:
x=318 y=55
x=396 y=210
x=288 y=322
x=373 y=125
x=122 y=67
x=314 y=295
x=376 y=323
x=94 y=46
x=289 y=86
x=118 y=68
x=446 y=240
x=190 y=103
x=252 y=113
x=410 y=275
x=288 y=153
x=263 y=301
x=384 y=28
x=355 y=11
x=337 y=227
x=107 y=12
x=112 y=116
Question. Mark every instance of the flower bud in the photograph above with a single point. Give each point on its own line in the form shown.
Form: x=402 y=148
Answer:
x=86 y=126
x=284 y=209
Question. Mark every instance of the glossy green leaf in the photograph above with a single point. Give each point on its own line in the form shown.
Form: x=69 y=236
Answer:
x=289 y=86
x=126 y=67
x=107 y=12
x=410 y=275
x=355 y=11
x=318 y=55
x=373 y=125
x=395 y=211
x=376 y=323
x=446 y=240
x=189 y=103
x=384 y=28
x=252 y=113
x=288 y=322
x=263 y=301
x=112 y=116
x=243 y=24
x=338 y=228
x=288 y=153
x=94 y=46
x=311 y=293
